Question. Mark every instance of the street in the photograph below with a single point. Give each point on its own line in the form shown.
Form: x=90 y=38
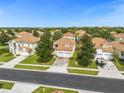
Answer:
x=64 y=80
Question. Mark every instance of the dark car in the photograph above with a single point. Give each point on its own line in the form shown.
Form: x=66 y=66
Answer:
x=100 y=61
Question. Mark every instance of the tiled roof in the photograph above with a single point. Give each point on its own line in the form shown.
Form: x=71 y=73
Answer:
x=103 y=44
x=68 y=34
x=107 y=49
x=24 y=33
x=65 y=44
x=118 y=45
x=26 y=38
x=120 y=35
x=98 y=42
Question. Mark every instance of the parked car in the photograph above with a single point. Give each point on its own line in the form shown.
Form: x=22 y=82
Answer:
x=100 y=61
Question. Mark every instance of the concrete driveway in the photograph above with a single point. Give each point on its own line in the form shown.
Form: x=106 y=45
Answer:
x=13 y=62
x=59 y=66
x=110 y=71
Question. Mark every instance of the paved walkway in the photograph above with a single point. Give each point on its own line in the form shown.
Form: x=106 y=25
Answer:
x=59 y=66
x=21 y=88
x=13 y=62
x=110 y=71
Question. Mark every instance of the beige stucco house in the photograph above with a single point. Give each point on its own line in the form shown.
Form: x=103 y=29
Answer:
x=65 y=46
x=103 y=48
x=118 y=49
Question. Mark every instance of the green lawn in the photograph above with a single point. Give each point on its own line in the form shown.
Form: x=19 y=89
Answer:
x=119 y=64
x=32 y=60
x=31 y=67
x=3 y=47
x=73 y=63
x=6 y=57
x=50 y=90
x=6 y=85
x=89 y=72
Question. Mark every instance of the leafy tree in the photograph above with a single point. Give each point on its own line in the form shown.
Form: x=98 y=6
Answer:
x=45 y=48
x=35 y=33
x=10 y=32
x=57 y=35
x=4 y=38
x=86 y=51
x=64 y=30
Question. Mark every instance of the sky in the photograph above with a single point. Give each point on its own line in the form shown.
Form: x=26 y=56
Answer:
x=61 y=13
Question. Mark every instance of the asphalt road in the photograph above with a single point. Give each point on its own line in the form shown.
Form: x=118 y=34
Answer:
x=64 y=80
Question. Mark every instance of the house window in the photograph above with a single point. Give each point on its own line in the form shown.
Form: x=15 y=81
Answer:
x=122 y=53
x=56 y=45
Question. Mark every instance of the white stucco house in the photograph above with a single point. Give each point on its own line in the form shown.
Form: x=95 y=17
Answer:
x=65 y=47
x=103 y=48
x=24 y=44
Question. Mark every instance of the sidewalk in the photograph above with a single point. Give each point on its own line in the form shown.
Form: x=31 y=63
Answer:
x=24 y=88
x=21 y=88
x=110 y=71
x=13 y=62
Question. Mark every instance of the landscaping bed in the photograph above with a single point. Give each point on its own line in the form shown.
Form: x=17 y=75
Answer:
x=50 y=90
x=32 y=60
x=119 y=64
x=6 y=57
x=6 y=85
x=77 y=71
x=74 y=63
x=31 y=67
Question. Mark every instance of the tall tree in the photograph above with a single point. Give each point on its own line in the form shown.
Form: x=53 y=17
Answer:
x=35 y=33
x=4 y=38
x=57 y=35
x=44 y=49
x=86 y=51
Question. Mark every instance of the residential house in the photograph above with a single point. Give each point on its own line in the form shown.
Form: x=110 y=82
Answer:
x=118 y=49
x=65 y=46
x=69 y=35
x=24 y=44
x=119 y=36
x=103 y=48
x=79 y=34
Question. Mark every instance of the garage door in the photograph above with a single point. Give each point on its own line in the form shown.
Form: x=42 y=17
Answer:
x=64 y=54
